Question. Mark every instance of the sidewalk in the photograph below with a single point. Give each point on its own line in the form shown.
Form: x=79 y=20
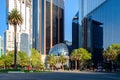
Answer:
x=72 y=71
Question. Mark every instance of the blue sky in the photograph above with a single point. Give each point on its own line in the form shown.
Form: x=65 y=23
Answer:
x=2 y=16
x=71 y=8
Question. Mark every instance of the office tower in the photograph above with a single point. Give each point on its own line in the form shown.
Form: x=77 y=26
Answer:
x=75 y=31
x=48 y=24
x=93 y=39
x=25 y=8
x=86 y=7
x=108 y=14
x=98 y=26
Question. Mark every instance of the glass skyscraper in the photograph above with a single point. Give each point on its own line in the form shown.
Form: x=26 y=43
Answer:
x=48 y=24
x=75 y=31
x=98 y=26
x=108 y=14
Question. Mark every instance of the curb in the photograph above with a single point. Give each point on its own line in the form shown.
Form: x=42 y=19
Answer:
x=16 y=72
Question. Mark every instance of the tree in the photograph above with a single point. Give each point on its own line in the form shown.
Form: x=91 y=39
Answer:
x=110 y=54
x=15 y=18
x=75 y=56
x=2 y=61
x=9 y=59
x=118 y=56
x=85 y=55
x=35 y=58
x=115 y=46
x=51 y=60
x=62 y=59
x=81 y=55
x=23 y=59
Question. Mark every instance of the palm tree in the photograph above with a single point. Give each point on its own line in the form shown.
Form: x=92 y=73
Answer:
x=85 y=56
x=15 y=18
x=62 y=59
x=75 y=56
x=52 y=60
x=110 y=54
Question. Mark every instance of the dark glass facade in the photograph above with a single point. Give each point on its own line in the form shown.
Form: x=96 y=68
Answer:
x=75 y=34
x=93 y=39
x=48 y=24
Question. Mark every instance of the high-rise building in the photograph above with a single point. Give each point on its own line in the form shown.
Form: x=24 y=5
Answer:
x=48 y=24
x=86 y=7
x=98 y=26
x=93 y=39
x=92 y=36
x=75 y=31
x=108 y=14
x=25 y=8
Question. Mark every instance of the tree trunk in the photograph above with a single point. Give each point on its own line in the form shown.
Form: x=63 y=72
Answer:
x=52 y=67
x=62 y=67
x=75 y=64
x=15 y=47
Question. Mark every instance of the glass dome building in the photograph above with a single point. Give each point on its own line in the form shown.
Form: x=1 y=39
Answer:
x=59 y=49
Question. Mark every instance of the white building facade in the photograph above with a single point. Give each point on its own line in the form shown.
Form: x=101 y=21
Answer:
x=23 y=43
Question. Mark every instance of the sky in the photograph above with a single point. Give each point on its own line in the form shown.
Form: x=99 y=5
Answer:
x=71 y=8
x=2 y=16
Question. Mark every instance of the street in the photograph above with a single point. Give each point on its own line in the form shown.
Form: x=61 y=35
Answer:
x=60 y=76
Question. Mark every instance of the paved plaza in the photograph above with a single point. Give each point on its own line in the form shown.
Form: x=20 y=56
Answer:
x=60 y=76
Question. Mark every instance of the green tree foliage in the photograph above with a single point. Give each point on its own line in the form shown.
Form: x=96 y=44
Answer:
x=110 y=54
x=9 y=59
x=36 y=59
x=118 y=58
x=81 y=55
x=85 y=54
x=23 y=59
x=15 y=18
x=62 y=59
x=51 y=60
x=2 y=61
x=115 y=46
